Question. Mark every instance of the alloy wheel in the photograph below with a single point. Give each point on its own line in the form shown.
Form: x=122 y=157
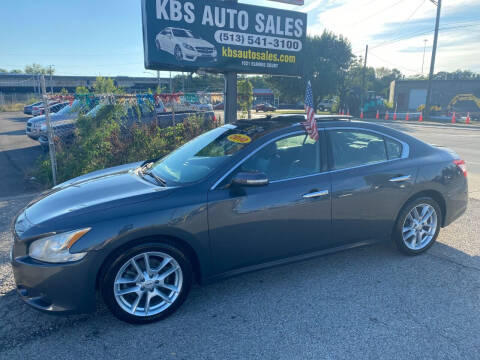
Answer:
x=148 y=284
x=420 y=226
x=178 y=53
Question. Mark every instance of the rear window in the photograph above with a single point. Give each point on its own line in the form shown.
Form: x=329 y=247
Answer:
x=394 y=149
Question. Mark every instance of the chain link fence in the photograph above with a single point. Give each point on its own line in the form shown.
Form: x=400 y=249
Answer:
x=96 y=132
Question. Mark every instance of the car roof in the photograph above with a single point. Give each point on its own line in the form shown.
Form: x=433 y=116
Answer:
x=288 y=120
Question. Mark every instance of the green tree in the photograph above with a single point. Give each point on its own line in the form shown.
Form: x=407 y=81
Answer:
x=326 y=61
x=245 y=95
x=16 y=71
x=81 y=90
x=36 y=69
x=64 y=91
x=2 y=71
x=104 y=86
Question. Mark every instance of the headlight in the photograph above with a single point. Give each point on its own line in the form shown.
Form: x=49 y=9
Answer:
x=189 y=47
x=56 y=248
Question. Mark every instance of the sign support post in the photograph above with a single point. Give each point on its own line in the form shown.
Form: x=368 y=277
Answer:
x=51 y=144
x=230 y=93
x=230 y=103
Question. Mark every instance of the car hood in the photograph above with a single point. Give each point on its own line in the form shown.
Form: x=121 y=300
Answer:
x=53 y=117
x=99 y=191
x=196 y=42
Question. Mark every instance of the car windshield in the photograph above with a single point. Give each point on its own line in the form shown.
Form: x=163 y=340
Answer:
x=182 y=33
x=70 y=109
x=198 y=158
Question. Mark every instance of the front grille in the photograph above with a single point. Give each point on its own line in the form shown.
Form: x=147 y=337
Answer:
x=205 y=50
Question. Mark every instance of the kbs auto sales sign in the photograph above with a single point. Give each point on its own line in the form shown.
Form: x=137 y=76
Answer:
x=222 y=36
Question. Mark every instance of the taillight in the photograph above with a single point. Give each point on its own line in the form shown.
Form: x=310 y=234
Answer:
x=462 y=166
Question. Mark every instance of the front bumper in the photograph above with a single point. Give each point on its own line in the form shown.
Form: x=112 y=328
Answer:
x=67 y=288
x=190 y=55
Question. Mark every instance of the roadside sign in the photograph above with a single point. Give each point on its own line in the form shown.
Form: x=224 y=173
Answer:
x=222 y=36
x=292 y=2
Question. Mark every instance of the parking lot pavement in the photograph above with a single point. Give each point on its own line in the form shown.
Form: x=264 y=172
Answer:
x=369 y=302
x=18 y=154
x=364 y=303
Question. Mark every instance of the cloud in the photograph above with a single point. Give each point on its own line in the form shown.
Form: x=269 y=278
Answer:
x=395 y=30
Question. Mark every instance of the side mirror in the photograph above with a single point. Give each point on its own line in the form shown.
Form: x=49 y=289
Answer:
x=250 y=179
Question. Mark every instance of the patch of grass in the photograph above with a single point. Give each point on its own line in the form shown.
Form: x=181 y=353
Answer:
x=11 y=107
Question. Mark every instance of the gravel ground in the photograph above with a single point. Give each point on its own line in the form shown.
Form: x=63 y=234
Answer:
x=364 y=303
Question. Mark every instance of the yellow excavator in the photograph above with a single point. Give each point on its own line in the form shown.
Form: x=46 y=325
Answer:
x=465 y=103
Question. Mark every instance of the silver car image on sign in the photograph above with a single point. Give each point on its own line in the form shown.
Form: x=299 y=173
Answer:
x=184 y=45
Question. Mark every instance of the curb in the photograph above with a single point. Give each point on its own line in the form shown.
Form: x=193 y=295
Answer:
x=425 y=123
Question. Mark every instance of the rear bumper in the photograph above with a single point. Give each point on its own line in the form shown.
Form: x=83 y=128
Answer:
x=56 y=288
x=456 y=202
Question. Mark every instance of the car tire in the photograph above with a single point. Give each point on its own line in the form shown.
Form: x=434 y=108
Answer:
x=178 y=53
x=414 y=234
x=122 y=284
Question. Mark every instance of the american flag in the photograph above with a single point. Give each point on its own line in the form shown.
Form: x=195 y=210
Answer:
x=310 y=124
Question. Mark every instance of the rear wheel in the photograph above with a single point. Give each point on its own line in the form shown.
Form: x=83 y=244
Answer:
x=418 y=226
x=147 y=283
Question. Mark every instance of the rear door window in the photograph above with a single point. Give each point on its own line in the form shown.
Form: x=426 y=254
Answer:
x=394 y=149
x=351 y=148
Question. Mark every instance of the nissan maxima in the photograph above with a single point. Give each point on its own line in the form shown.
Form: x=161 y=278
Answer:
x=238 y=198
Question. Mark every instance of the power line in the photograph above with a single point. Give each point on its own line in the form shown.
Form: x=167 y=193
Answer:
x=377 y=13
x=420 y=33
x=390 y=63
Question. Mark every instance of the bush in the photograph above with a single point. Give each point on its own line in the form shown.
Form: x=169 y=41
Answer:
x=103 y=142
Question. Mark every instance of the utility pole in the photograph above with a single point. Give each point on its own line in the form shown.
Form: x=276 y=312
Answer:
x=432 y=63
x=50 y=70
x=362 y=98
x=424 y=50
x=158 y=80
x=51 y=144
x=230 y=92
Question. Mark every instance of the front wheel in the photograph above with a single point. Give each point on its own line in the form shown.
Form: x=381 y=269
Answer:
x=147 y=283
x=178 y=53
x=418 y=226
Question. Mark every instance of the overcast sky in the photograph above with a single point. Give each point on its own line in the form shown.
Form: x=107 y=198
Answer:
x=92 y=37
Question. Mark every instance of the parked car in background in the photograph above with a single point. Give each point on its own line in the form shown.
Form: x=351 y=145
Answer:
x=68 y=112
x=63 y=129
x=265 y=107
x=184 y=45
x=202 y=107
x=27 y=110
x=326 y=105
x=238 y=198
x=54 y=108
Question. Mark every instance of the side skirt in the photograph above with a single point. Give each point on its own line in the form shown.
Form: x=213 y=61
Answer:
x=288 y=260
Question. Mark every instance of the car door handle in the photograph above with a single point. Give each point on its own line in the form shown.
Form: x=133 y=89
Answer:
x=316 y=194
x=401 y=178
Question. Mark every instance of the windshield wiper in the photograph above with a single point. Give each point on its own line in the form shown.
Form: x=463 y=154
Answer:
x=156 y=177
x=146 y=170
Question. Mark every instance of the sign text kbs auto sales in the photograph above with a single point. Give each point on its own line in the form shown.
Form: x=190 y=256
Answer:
x=221 y=36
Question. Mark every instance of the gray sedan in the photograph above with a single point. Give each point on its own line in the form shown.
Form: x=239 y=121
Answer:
x=241 y=197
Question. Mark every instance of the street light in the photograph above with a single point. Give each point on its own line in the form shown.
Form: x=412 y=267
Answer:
x=158 y=77
x=438 y=3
